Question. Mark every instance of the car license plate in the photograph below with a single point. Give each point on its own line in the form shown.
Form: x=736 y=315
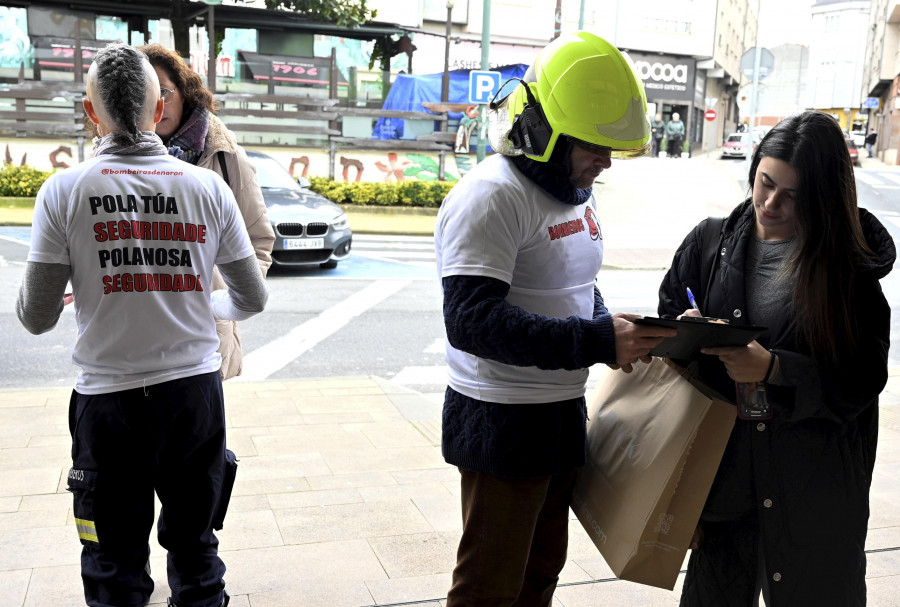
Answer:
x=304 y=243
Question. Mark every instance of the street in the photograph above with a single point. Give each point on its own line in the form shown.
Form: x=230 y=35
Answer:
x=378 y=313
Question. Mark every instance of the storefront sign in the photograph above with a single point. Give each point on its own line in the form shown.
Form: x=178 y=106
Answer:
x=666 y=76
x=311 y=71
x=59 y=53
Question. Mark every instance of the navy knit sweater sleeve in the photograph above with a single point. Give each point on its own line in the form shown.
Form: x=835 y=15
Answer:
x=480 y=321
x=599 y=307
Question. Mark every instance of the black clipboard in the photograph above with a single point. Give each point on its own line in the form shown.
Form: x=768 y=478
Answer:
x=695 y=333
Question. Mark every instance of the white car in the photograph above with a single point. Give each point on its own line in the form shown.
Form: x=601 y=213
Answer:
x=736 y=145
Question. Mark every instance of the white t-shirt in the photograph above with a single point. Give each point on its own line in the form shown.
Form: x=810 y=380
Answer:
x=497 y=223
x=141 y=234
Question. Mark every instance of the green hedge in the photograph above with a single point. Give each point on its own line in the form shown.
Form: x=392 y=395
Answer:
x=403 y=193
x=21 y=180
x=25 y=181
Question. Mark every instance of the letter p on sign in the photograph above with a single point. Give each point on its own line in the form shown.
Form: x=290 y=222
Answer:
x=483 y=85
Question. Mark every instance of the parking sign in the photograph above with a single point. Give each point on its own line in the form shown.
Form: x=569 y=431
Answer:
x=870 y=103
x=483 y=85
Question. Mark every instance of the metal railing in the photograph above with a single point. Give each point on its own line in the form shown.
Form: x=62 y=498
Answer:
x=53 y=110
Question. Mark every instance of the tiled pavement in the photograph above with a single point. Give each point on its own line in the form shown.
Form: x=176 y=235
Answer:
x=342 y=500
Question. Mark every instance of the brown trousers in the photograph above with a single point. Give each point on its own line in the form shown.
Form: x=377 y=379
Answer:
x=515 y=534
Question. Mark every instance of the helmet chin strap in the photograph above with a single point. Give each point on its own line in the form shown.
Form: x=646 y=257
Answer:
x=562 y=154
x=494 y=104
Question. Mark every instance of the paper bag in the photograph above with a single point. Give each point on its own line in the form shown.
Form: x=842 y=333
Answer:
x=654 y=445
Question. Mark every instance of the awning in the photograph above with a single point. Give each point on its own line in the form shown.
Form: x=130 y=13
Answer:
x=225 y=15
x=879 y=88
x=270 y=19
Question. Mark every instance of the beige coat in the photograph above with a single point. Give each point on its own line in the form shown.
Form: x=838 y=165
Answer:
x=242 y=179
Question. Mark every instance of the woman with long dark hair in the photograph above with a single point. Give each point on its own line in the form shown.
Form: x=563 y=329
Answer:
x=788 y=511
x=192 y=132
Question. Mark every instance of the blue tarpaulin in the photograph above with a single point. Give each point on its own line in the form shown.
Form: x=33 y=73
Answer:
x=410 y=90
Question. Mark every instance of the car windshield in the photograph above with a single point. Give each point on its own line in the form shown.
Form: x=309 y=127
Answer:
x=736 y=138
x=270 y=174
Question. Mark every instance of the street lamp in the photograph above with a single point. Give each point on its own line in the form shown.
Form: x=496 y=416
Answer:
x=445 y=83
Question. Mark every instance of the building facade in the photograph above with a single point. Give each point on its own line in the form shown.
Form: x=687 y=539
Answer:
x=737 y=24
x=784 y=91
x=881 y=77
x=687 y=51
x=837 y=54
x=702 y=39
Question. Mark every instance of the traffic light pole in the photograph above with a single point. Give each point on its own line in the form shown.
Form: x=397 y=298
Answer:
x=754 y=96
x=485 y=65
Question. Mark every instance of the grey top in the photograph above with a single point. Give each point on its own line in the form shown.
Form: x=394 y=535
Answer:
x=767 y=288
x=40 y=300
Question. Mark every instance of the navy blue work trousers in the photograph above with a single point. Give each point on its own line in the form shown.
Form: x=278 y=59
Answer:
x=168 y=438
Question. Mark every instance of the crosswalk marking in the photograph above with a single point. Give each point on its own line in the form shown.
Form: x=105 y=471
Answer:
x=421 y=375
x=438 y=346
x=880 y=180
x=279 y=353
x=27 y=243
x=411 y=250
x=867 y=178
x=396 y=242
x=890 y=177
x=877 y=177
x=398 y=254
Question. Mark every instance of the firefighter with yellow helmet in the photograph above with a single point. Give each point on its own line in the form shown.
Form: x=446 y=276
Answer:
x=519 y=246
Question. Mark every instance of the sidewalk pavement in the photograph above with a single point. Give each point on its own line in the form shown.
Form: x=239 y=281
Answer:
x=342 y=500
x=342 y=497
x=874 y=163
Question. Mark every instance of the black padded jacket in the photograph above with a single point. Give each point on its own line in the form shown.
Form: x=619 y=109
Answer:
x=806 y=472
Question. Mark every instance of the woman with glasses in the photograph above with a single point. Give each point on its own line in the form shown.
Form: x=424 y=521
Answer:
x=194 y=134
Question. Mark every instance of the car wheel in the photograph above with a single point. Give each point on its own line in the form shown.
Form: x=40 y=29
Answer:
x=328 y=265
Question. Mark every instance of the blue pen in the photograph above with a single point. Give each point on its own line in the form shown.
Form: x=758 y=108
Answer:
x=692 y=300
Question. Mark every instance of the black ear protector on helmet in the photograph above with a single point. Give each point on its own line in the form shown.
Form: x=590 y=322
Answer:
x=530 y=131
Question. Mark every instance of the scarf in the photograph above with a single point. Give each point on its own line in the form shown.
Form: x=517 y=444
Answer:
x=189 y=141
x=147 y=144
x=553 y=176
